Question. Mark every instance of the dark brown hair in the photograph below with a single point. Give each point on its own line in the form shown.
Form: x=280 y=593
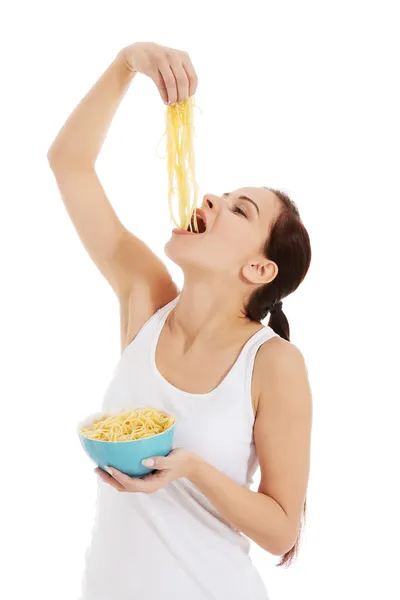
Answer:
x=288 y=245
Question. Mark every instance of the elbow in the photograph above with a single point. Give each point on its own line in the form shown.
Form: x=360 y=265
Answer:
x=53 y=152
x=282 y=548
x=52 y=157
x=281 y=545
x=286 y=543
x=59 y=159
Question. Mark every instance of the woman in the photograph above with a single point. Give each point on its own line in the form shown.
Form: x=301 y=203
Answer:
x=239 y=389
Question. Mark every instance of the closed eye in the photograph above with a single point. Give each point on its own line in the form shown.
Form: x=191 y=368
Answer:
x=240 y=211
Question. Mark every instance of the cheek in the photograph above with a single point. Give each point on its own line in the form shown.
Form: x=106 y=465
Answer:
x=237 y=236
x=229 y=231
x=225 y=249
x=230 y=246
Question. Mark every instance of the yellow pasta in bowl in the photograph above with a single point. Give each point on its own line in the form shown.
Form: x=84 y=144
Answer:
x=122 y=439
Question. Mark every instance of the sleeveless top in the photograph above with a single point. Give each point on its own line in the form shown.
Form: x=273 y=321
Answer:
x=173 y=544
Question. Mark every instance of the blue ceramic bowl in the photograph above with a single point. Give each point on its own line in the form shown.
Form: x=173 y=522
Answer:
x=126 y=456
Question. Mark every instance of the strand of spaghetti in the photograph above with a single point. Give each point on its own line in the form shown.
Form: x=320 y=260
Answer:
x=128 y=425
x=182 y=167
x=187 y=151
x=191 y=164
x=171 y=152
x=180 y=162
x=178 y=134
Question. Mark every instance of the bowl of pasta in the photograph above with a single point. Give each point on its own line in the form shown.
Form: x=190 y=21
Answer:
x=123 y=438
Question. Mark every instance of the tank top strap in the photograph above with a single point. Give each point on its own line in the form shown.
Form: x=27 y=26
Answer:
x=156 y=321
x=248 y=357
x=167 y=308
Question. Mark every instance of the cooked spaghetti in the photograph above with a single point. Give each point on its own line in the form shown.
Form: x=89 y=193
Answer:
x=182 y=183
x=128 y=425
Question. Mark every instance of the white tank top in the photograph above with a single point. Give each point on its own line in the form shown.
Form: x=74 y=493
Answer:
x=173 y=544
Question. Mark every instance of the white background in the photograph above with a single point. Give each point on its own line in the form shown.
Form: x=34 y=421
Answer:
x=297 y=95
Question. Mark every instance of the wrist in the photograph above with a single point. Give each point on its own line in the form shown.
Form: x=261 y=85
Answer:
x=123 y=56
x=195 y=467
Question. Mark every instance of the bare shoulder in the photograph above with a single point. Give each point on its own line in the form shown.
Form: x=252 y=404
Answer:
x=282 y=430
x=280 y=365
x=278 y=353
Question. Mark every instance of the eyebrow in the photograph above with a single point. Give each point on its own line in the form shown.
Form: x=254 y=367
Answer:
x=245 y=198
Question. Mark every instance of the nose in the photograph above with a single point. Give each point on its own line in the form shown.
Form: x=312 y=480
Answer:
x=211 y=201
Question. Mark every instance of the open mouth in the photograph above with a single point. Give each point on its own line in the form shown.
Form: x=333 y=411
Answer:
x=199 y=218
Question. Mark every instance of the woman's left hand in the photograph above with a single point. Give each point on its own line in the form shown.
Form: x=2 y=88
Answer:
x=179 y=463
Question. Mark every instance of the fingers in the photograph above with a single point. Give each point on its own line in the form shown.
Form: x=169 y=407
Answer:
x=178 y=77
x=146 y=485
x=191 y=74
x=110 y=480
x=160 y=83
x=181 y=78
x=169 y=80
x=154 y=481
x=158 y=462
x=122 y=478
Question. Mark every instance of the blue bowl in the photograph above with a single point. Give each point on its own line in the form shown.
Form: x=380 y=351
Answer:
x=126 y=456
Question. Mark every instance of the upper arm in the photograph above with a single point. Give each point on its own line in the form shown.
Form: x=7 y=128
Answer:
x=126 y=262
x=282 y=430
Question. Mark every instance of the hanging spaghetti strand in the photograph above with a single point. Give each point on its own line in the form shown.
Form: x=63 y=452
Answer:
x=183 y=189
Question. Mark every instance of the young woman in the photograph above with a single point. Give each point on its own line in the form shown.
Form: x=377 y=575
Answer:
x=238 y=388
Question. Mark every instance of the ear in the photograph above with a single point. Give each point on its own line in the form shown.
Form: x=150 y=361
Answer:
x=260 y=271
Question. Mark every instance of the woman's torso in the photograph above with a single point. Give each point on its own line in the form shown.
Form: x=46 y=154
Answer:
x=176 y=534
x=202 y=370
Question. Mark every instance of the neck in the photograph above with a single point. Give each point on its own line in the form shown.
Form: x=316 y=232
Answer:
x=208 y=310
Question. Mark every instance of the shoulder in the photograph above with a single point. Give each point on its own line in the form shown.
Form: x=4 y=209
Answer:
x=280 y=373
x=279 y=353
x=282 y=430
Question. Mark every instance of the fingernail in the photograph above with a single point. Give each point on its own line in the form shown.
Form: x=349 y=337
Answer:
x=109 y=470
x=148 y=462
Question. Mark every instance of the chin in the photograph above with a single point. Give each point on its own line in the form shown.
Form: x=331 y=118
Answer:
x=182 y=255
x=174 y=251
x=177 y=253
x=177 y=245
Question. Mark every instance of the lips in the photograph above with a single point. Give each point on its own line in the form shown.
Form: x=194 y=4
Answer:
x=201 y=222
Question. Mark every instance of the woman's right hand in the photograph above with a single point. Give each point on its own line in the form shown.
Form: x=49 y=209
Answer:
x=171 y=70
